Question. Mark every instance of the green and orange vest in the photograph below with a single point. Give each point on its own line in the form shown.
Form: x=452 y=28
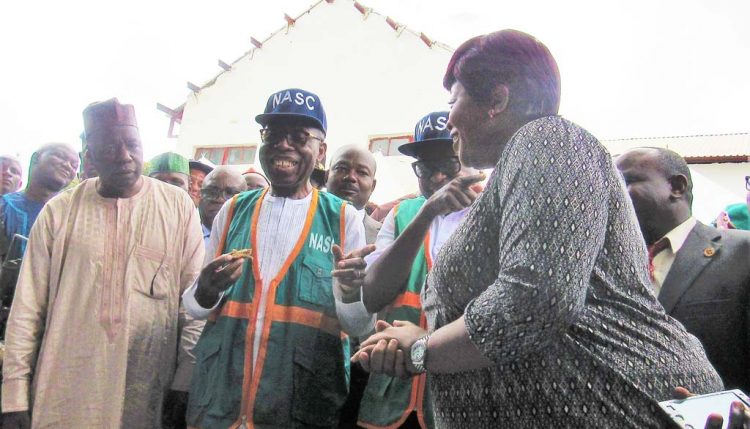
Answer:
x=388 y=401
x=301 y=374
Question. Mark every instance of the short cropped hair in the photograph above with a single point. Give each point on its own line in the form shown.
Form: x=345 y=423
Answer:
x=672 y=164
x=512 y=58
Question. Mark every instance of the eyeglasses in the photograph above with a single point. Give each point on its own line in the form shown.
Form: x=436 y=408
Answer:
x=296 y=136
x=449 y=166
x=747 y=183
x=214 y=193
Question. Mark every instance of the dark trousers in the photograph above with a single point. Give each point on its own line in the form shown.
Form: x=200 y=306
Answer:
x=174 y=411
x=350 y=411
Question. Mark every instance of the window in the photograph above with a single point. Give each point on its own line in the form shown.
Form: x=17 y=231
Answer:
x=227 y=155
x=241 y=155
x=388 y=144
x=379 y=145
x=214 y=155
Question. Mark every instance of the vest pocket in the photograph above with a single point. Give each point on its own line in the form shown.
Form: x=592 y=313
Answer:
x=314 y=284
x=206 y=371
x=212 y=391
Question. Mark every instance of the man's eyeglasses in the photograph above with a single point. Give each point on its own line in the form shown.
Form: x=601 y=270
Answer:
x=747 y=183
x=449 y=166
x=214 y=193
x=296 y=136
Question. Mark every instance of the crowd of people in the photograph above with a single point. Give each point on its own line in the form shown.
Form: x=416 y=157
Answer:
x=570 y=288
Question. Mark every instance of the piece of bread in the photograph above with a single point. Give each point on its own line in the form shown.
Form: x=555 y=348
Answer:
x=242 y=253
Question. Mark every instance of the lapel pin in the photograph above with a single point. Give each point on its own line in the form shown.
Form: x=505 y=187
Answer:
x=709 y=252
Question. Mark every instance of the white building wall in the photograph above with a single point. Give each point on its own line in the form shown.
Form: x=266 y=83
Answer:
x=371 y=79
x=715 y=186
x=374 y=80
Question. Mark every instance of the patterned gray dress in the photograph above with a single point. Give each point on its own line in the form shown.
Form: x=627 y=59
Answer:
x=550 y=271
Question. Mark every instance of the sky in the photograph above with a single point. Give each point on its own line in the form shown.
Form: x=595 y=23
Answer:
x=635 y=68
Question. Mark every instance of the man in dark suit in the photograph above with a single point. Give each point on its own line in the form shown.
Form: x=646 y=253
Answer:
x=352 y=178
x=701 y=274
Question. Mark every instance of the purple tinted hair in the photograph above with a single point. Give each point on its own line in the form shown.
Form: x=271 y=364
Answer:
x=508 y=57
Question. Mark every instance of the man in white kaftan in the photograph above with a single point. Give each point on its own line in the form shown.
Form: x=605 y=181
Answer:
x=92 y=333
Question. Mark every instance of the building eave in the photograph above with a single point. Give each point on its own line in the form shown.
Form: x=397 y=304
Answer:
x=291 y=21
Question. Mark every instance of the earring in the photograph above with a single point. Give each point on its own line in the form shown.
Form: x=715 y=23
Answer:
x=491 y=113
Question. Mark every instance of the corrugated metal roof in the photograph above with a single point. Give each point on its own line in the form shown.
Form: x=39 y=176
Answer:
x=707 y=146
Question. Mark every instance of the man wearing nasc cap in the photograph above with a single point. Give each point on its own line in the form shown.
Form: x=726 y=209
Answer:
x=273 y=353
x=411 y=236
x=92 y=333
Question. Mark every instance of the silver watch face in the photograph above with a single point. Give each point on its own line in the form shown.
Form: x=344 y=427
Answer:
x=417 y=352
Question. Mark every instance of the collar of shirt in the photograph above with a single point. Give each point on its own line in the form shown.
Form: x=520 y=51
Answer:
x=206 y=231
x=679 y=234
x=284 y=200
x=361 y=214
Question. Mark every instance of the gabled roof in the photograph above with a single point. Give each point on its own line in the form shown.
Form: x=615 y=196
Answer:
x=696 y=149
x=176 y=113
x=708 y=148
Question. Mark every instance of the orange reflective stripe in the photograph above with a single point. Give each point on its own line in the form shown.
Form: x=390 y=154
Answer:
x=254 y=239
x=250 y=333
x=230 y=214
x=287 y=314
x=307 y=317
x=427 y=254
x=248 y=405
x=220 y=250
x=407 y=299
x=238 y=310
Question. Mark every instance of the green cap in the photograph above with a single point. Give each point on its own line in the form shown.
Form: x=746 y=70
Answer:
x=739 y=216
x=167 y=162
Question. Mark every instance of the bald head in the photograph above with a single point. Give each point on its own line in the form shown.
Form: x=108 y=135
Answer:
x=352 y=175
x=660 y=187
x=222 y=174
x=221 y=184
x=364 y=155
x=666 y=161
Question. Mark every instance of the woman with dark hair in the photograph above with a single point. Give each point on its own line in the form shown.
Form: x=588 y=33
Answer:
x=539 y=310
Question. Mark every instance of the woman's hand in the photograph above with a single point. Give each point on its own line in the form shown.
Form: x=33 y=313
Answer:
x=388 y=350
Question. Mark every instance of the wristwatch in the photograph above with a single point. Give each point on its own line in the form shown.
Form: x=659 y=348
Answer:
x=418 y=354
